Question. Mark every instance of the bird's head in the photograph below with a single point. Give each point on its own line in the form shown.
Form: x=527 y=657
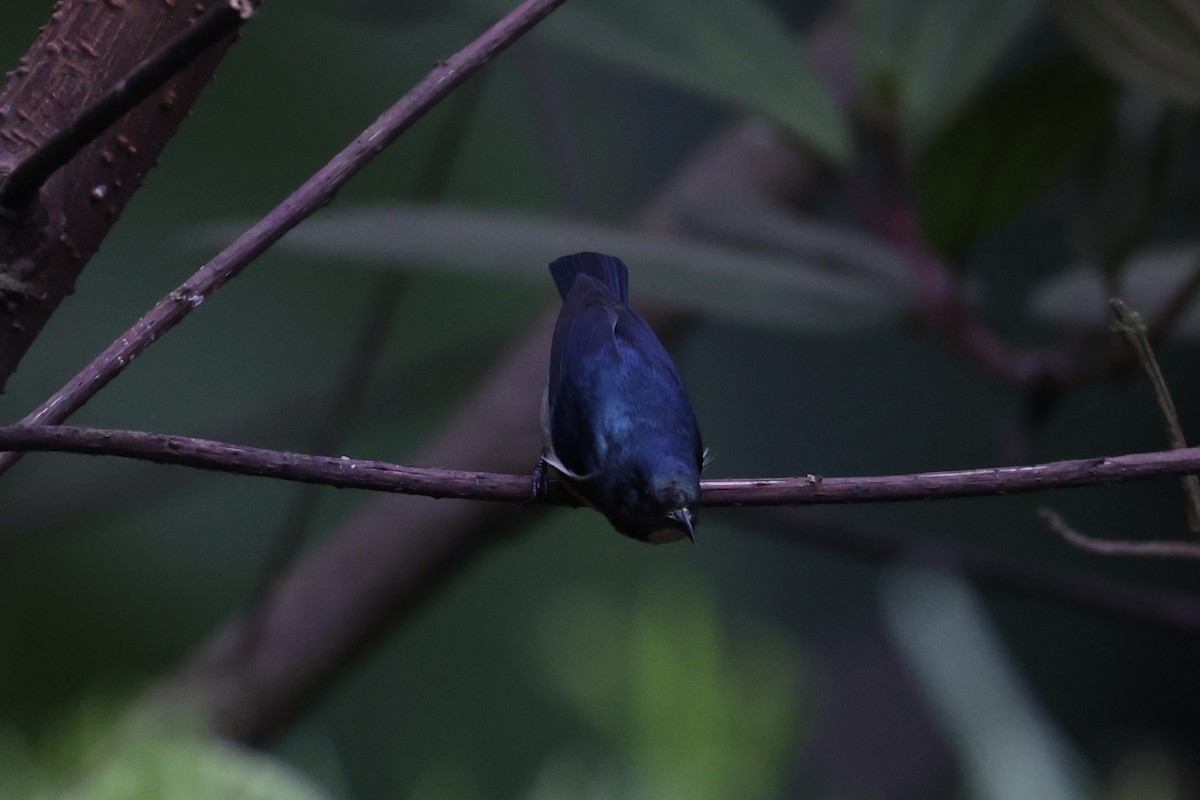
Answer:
x=658 y=502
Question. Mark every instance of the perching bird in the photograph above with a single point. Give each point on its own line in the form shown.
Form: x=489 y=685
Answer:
x=616 y=420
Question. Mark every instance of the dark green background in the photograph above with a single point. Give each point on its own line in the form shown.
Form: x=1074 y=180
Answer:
x=112 y=572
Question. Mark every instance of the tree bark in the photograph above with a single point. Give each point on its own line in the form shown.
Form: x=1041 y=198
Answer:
x=84 y=49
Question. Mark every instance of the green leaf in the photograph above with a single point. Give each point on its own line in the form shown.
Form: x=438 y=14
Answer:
x=694 y=704
x=1005 y=151
x=197 y=769
x=19 y=773
x=845 y=281
x=1151 y=44
x=106 y=751
x=918 y=61
x=1078 y=297
x=735 y=52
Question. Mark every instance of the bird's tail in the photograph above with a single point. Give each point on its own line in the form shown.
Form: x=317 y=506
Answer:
x=609 y=270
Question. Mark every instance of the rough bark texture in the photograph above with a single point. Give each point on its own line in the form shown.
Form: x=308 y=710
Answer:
x=85 y=48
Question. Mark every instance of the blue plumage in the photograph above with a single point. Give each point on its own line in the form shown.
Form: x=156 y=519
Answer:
x=617 y=422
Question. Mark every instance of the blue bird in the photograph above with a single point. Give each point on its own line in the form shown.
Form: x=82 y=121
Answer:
x=617 y=422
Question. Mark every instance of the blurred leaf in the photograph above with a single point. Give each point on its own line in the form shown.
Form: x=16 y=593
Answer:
x=19 y=776
x=735 y=52
x=571 y=776
x=1006 y=149
x=920 y=60
x=1078 y=297
x=799 y=294
x=171 y=769
x=1151 y=44
x=752 y=225
x=1009 y=748
x=700 y=713
x=106 y=752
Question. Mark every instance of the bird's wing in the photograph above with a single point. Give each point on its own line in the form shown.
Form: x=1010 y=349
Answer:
x=583 y=350
x=664 y=386
x=634 y=332
x=584 y=329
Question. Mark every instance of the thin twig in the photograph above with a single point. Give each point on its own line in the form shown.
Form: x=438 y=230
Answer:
x=1063 y=368
x=125 y=485
x=317 y=192
x=1116 y=547
x=1115 y=364
x=363 y=360
x=552 y=115
x=348 y=473
x=1131 y=328
x=1019 y=578
x=146 y=78
x=385 y=294
x=340 y=472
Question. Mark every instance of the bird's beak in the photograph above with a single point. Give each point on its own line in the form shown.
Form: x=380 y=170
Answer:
x=684 y=516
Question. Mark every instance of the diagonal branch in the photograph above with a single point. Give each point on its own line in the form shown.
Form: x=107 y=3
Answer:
x=348 y=473
x=317 y=192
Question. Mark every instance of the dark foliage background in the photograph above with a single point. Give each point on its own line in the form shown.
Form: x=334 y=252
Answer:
x=572 y=662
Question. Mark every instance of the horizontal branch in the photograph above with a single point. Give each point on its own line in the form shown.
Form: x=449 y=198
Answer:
x=349 y=473
x=340 y=472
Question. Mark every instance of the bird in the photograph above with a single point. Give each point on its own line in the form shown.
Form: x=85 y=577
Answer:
x=617 y=423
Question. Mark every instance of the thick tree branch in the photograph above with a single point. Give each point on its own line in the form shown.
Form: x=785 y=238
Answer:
x=348 y=473
x=84 y=50
x=317 y=192
x=19 y=187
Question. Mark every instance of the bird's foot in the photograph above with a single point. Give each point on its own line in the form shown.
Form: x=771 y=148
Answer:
x=540 y=488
